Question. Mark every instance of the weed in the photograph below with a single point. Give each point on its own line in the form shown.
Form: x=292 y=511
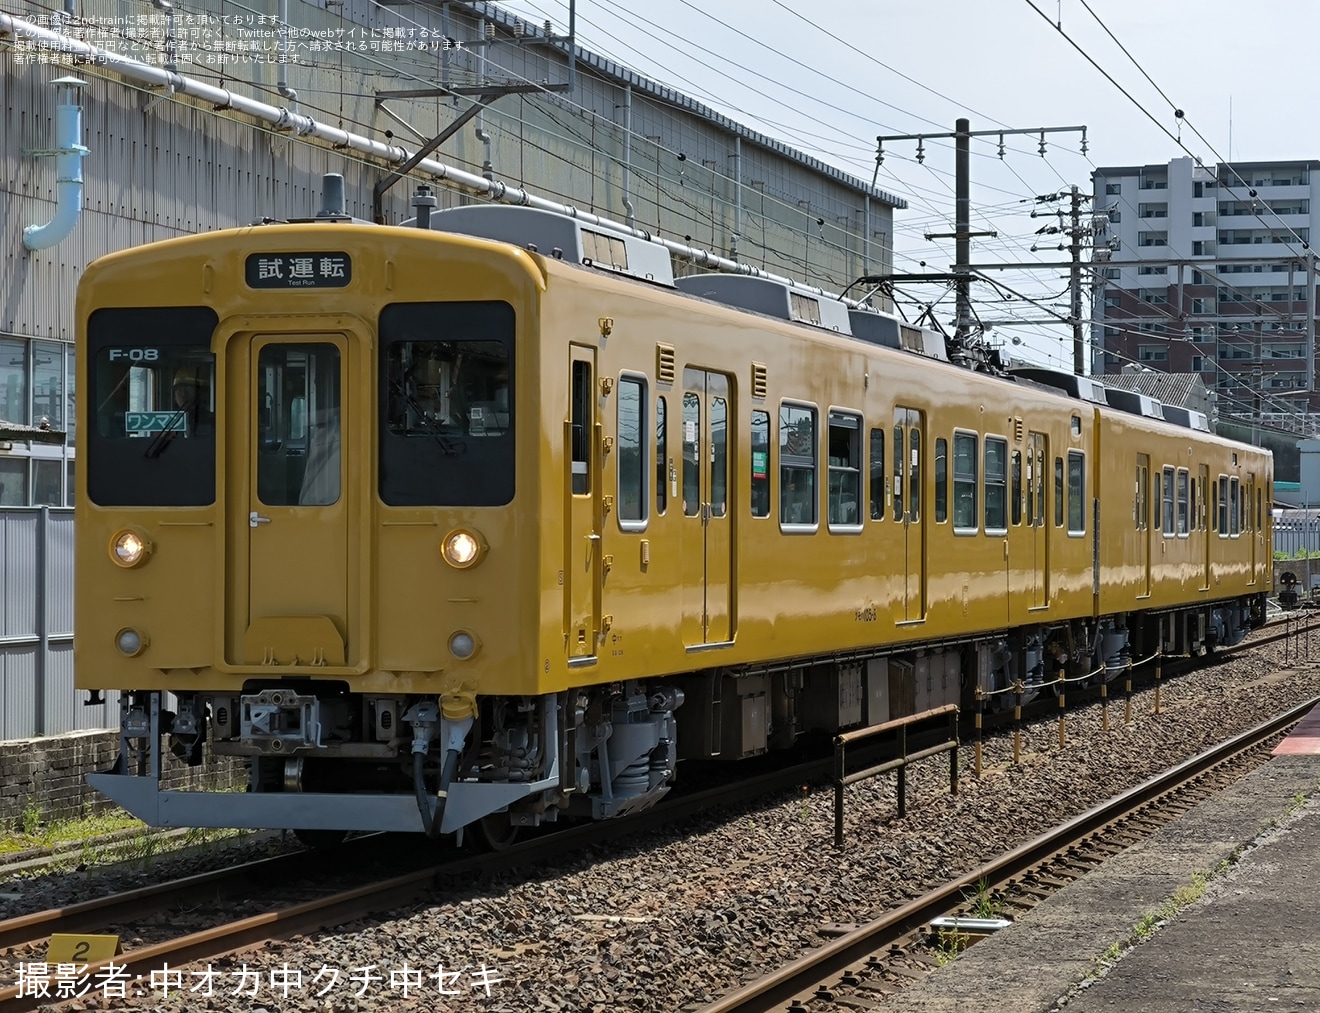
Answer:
x=982 y=903
x=951 y=942
x=30 y=822
x=804 y=807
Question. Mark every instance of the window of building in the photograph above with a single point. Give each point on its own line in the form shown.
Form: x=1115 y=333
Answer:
x=964 y=482
x=13 y=381
x=633 y=467
x=1113 y=188
x=1152 y=353
x=13 y=481
x=797 y=465
x=845 y=469
x=877 y=476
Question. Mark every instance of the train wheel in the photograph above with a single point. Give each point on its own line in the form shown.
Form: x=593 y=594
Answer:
x=321 y=839
x=494 y=833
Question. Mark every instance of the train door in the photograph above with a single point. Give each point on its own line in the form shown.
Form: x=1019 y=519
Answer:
x=1250 y=523
x=297 y=500
x=1203 y=490
x=1142 y=519
x=707 y=542
x=908 y=487
x=1038 y=452
x=582 y=483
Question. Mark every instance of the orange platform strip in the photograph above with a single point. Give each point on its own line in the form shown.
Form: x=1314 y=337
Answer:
x=1305 y=738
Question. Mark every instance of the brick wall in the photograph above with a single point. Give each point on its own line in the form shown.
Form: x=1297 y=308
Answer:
x=50 y=775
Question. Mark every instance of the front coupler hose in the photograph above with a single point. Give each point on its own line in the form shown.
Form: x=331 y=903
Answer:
x=431 y=820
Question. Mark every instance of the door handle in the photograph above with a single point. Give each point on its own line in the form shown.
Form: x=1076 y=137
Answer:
x=255 y=518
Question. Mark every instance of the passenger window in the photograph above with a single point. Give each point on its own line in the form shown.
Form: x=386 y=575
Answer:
x=1235 y=499
x=797 y=465
x=632 y=463
x=877 y=474
x=1015 y=492
x=845 y=472
x=1168 y=501
x=1183 y=501
x=1076 y=492
x=964 y=482
x=1058 y=492
x=661 y=456
x=941 y=481
x=760 y=492
x=1223 y=506
x=996 y=484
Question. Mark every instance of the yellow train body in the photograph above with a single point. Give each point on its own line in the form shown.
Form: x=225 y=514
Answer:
x=653 y=496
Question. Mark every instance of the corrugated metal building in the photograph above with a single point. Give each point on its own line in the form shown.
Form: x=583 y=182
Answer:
x=584 y=131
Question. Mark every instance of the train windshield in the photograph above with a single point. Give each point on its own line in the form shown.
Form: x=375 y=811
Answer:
x=152 y=390
x=446 y=432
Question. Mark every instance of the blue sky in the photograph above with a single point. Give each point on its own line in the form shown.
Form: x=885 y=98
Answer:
x=828 y=77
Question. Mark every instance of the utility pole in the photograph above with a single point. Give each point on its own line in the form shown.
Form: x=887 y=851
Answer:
x=961 y=346
x=1075 y=247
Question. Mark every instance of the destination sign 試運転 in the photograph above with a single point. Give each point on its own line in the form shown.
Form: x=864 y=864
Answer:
x=298 y=270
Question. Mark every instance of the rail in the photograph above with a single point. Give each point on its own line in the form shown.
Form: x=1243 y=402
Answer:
x=776 y=989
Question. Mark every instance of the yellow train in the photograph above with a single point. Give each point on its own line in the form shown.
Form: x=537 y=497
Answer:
x=492 y=520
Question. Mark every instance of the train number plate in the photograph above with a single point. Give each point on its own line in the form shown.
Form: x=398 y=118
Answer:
x=299 y=270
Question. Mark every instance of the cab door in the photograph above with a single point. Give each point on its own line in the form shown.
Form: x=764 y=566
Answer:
x=908 y=488
x=707 y=541
x=297 y=517
x=582 y=488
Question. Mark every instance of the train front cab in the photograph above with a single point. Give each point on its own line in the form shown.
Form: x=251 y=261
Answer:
x=329 y=541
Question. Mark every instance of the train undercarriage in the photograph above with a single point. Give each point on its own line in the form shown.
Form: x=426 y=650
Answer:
x=320 y=757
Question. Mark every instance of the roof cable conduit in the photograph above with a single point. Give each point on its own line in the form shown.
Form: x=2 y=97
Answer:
x=68 y=155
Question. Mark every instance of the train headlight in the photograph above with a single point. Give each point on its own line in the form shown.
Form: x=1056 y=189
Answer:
x=130 y=642
x=462 y=644
x=129 y=548
x=463 y=548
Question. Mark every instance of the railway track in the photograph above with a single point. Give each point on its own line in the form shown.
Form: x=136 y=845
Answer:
x=878 y=958
x=20 y=936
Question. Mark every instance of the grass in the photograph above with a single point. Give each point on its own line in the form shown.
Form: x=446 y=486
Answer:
x=141 y=845
x=31 y=832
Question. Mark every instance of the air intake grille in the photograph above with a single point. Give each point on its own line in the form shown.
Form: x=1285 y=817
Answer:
x=664 y=362
x=758 y=380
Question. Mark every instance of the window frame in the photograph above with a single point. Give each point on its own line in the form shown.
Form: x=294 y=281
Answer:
x=996 y=482
x=962 y=481
x=1079 y=458
x=769 y=462
x=854 y=469
x=801 y=527
x=643 y=448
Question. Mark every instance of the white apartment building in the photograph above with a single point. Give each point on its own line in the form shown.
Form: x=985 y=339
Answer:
x=1203 y=269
